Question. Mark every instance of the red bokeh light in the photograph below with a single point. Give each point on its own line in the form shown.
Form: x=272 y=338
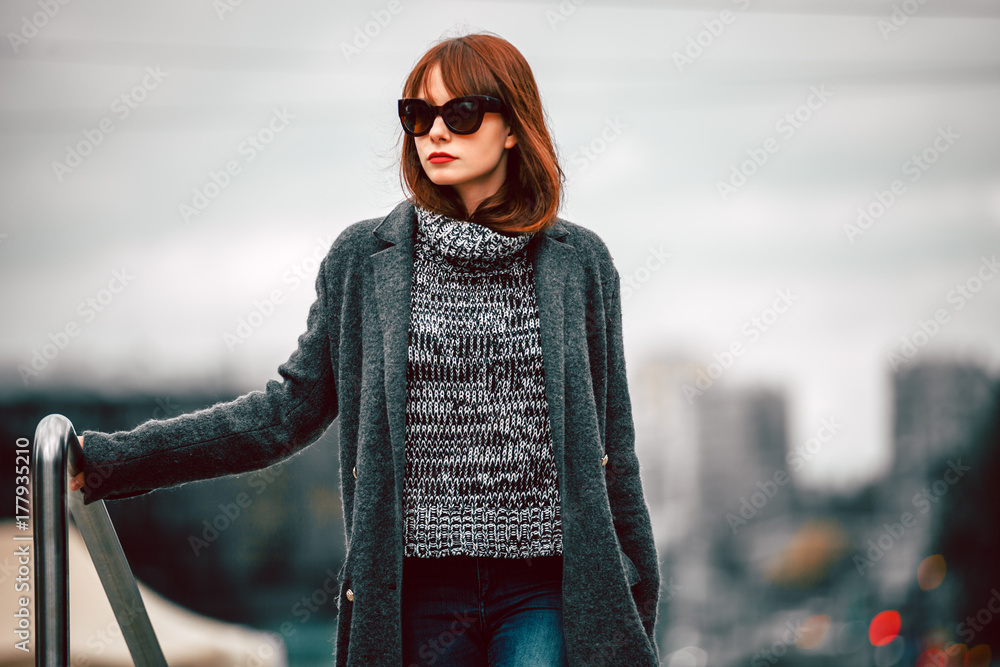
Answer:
x=884 y=627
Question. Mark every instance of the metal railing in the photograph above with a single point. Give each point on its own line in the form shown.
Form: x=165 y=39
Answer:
x=57 y=457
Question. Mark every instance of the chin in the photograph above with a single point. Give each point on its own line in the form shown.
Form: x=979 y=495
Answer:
x=445 y=180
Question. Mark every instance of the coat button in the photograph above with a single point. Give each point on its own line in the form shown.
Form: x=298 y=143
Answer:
x=350 y=595
x=604 y=461
x=355 y=472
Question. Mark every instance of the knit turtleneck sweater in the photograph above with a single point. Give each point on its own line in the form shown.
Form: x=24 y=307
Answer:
x=480 y=471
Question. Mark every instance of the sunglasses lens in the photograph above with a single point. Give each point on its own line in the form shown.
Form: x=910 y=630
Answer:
x=462 y=115
x=417 y=117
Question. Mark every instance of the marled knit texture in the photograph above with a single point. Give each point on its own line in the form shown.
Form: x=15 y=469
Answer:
x=480 y=471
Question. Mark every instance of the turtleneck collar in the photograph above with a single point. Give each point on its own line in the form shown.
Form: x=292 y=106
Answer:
x=466 y=244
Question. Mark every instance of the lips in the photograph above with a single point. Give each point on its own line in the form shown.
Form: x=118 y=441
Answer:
x=439 y=157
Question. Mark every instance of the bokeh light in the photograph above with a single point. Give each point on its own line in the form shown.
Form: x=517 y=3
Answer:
x=890 y=654
x=689 y=656
x=931 y=572
x=808 y=555
x=813 y=631
x=884 y=627
x=979 y=656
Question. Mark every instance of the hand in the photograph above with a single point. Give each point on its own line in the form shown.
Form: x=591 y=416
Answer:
x=76 y=483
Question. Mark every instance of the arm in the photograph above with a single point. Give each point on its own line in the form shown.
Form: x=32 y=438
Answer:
x=628 y=505
x=250 y=432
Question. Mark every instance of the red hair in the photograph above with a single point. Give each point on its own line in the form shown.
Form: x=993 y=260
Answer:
x=486 y=64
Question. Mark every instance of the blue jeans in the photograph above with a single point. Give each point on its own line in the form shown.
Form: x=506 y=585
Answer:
x=467 y=611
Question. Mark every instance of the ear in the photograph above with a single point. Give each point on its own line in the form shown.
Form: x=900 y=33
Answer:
x=511 y=140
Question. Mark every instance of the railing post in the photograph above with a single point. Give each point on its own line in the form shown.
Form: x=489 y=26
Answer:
x=58 y=456
x=48 y=492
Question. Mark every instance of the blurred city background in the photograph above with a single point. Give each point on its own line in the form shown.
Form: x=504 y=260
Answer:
x=802 y=198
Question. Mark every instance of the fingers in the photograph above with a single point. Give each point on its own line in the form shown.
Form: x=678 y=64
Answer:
x=76 y=483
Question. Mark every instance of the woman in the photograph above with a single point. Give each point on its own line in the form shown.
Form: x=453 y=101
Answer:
x=470 y=343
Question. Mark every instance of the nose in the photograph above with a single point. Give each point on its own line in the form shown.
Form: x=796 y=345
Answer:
x=439 y=131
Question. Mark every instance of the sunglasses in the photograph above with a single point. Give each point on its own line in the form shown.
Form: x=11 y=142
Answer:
x=462 y=115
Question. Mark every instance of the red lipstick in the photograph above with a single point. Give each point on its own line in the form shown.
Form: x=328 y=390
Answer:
x=440 y=158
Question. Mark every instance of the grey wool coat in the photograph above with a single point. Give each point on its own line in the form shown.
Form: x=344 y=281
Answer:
x=351 y=363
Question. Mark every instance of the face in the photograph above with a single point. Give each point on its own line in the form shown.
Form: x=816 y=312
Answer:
x=479 y=166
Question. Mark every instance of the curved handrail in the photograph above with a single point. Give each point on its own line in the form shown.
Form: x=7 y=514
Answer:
x=58 y=456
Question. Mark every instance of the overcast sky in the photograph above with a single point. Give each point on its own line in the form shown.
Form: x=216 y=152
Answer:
x=739 y=138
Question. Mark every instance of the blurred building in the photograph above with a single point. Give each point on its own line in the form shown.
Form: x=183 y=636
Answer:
x=939 y=407
x=760 y=570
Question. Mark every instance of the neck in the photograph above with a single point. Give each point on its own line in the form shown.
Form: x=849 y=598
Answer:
x=475 y=192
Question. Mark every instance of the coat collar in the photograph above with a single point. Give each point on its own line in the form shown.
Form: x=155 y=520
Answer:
x=555 y=268
x=398 y=226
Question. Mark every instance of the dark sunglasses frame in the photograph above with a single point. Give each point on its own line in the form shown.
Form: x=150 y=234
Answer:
x=453 y=112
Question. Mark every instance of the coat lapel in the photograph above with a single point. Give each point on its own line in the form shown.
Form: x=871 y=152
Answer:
x=393 y=275
x=553 y=260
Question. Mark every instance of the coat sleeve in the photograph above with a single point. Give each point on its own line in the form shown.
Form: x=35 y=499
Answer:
x=628 y=504
x=253 y=431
